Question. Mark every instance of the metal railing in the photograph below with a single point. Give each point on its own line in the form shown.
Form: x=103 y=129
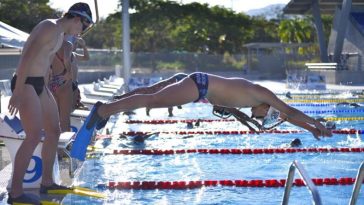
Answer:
x=289 y=182
x=358 y=182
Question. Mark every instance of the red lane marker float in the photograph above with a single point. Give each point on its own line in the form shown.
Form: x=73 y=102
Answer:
x=219 y=132
x=268 y=183
x=239 y=132
x=238 y=151
x=176 y=121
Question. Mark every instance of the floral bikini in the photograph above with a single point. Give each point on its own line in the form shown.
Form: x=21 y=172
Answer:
x=58 y=80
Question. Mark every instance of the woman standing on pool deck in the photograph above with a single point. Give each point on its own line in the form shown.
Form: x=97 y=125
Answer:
x=226 y=92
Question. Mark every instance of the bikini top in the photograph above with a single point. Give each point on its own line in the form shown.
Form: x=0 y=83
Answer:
x=64 y=65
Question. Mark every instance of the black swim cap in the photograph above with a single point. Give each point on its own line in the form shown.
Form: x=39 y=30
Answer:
x=81 y=9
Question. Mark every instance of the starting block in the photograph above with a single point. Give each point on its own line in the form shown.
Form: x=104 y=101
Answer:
x=12 y=133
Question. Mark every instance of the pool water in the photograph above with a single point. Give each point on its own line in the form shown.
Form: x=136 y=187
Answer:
x=106 y=167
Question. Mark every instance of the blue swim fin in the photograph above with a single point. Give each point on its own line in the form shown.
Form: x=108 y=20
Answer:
x=83 y=137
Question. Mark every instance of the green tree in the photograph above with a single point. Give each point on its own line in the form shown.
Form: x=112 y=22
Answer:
x=168 y=26
x=25 y=14
x=264 y=30
x=106 y=34
x=160 y=25
x=298 y=30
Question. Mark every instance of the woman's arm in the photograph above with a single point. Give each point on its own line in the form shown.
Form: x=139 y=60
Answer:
x=85 y=56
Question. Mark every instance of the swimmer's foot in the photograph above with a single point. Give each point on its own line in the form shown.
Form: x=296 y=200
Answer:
x=25 y=198
x=95 y=118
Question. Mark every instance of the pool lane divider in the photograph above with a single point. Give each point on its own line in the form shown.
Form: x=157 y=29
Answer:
x=237 y=132
x=227 y=151
x=322 y=93
x=333 y=111
x=238 y=151
x=218 y=132
x=177 y=121
x=258 y=183
x=222 y=120
x=332 y=100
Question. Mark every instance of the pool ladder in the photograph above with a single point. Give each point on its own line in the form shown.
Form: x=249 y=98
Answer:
x=312 y=188
x=358 y=182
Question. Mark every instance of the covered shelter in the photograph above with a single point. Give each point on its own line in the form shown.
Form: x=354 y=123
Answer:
x=11 y=37
x=346 y=43
x=271 y=59
x=318 y=7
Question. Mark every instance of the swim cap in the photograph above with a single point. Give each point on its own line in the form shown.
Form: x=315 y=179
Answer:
x=296 y=143
x=271 y=118
x=81 y=9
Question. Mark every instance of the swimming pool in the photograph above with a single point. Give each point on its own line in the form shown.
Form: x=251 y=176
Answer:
x=106 y=167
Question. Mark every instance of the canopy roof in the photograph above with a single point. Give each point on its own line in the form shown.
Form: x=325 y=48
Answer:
x=326 y=6
x=11 y=37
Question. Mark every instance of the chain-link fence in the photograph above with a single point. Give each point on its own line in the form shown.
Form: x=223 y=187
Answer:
x=268 y=64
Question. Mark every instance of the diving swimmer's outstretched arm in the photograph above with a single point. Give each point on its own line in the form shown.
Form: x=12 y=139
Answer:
x=292 y=114
x=315 y=131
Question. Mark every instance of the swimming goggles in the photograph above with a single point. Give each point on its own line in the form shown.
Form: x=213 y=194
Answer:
x=221 y=112
x=271 y=118
x=86 y=20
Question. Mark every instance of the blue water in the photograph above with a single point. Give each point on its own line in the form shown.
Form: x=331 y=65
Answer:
x=187 y=167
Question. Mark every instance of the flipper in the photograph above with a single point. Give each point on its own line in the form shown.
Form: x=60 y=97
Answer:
x=78 y=191
x=83 y=137
x=56 y=189
x=49 y=202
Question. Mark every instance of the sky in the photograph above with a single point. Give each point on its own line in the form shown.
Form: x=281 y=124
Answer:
x=107 y=7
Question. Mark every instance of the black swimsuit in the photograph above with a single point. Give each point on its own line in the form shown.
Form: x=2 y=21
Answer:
x=36 y=82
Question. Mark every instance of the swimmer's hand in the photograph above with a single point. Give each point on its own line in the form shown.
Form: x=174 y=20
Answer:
x=80 y=42
x=321 y=130
x=14 y=102
x=316 y=133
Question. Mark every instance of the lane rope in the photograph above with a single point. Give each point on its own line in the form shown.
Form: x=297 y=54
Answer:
x=237 y=132
x=247 y=151
x=332 y=100
x=261 y=183
x=156 y=121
